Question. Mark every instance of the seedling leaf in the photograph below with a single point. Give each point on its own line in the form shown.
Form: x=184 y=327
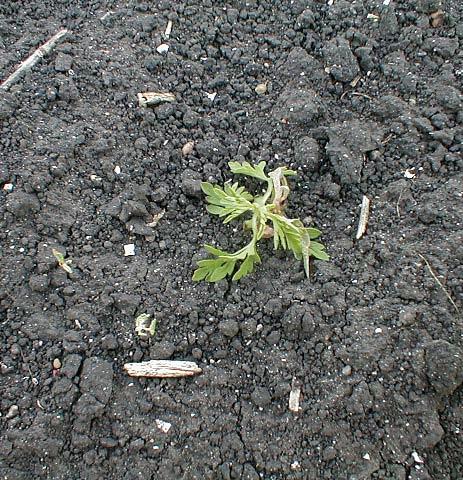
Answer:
x=267 y=217
x=62 y=262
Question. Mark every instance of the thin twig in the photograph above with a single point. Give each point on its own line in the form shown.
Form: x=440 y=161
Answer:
x=359 y=94
x=397 y=206
x=25 y=66
x=439 y=282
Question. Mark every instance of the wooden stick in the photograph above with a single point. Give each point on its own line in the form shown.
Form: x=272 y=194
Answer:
x=364 y=214
x=151 y=99
x=25 y=66
x=162 y=369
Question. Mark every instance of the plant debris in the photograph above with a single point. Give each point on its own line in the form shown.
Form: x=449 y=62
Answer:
x=144 y=326
x=152 y=99
x=63 y=263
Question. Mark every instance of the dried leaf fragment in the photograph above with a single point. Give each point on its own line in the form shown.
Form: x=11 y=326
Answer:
x=156 y=219
x=437 y=19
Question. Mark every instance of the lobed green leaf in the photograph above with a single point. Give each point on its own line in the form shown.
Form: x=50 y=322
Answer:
x=245 y=168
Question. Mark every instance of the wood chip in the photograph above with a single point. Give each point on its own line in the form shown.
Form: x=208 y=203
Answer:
x=151 y=99
x=356 y=80
x=364 y=214
x=294 y=397
x=168 y=29
x=162 y=369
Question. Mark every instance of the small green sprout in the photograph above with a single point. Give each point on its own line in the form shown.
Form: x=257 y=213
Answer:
x=267 y=220
x=62 y=262
x=144 y=327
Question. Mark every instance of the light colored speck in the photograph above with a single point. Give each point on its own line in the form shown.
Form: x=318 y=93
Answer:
x=129 y=250
x=117 y=170
x=163 y=426
x=163 y=48
x=417 y=458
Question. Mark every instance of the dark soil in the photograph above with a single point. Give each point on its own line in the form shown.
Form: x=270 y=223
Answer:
x=357 y=105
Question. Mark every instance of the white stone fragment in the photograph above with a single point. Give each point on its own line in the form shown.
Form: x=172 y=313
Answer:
x=117 y=170
x=163 y=48
x=129 y=250
x=163 y=426
x=417 y=458
x=8 y=187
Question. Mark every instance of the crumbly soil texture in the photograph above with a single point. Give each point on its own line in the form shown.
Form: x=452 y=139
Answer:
x=360 y=98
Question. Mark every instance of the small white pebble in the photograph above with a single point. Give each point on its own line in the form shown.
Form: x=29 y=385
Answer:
x=163 y=48
x=129 y=250
x=12 y=412
x=366 y=456
x=347 y=370
x=163 y=426
x=417 y=458
x=378 y=330
x=117 y=169
x=211 y=96
x=8 y=187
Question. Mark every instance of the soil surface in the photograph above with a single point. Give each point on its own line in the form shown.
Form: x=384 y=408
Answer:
x=362 y=98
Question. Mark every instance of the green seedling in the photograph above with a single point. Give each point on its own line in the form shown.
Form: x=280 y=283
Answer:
x=62 y=262
x=267 y=219
x=144 y=326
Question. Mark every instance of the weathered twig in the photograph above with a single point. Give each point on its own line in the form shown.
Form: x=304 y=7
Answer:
x=162 y=369
x=433 y=275
x=25 y=66
x=151 y=99
x=364 y=214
